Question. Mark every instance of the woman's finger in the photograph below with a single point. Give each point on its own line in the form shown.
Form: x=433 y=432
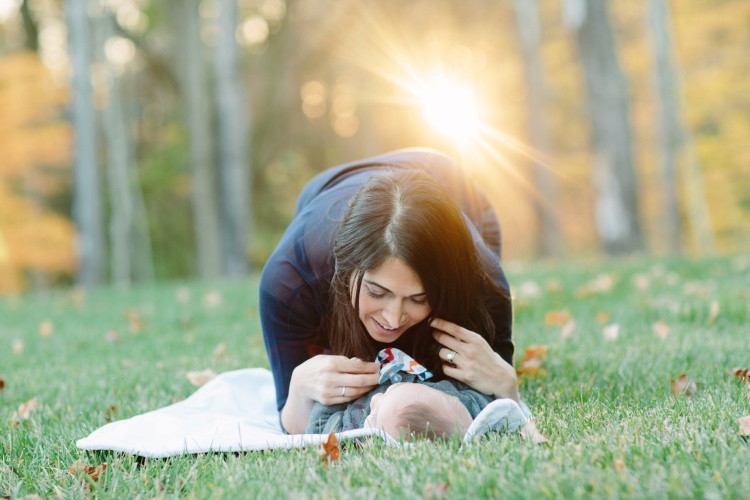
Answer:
x=359 y=380
x=356 y=365
x=448 y=341
x=452 y=329
x=445 y=354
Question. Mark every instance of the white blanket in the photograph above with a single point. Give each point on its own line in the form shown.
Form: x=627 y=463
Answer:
x=236 y=411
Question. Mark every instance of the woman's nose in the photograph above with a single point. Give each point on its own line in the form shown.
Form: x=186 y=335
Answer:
x=393 y=313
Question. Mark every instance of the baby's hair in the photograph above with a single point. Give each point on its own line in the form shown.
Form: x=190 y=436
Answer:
x=426 y=420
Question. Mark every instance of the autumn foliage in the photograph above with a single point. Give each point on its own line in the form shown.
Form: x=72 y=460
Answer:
x=36 y=152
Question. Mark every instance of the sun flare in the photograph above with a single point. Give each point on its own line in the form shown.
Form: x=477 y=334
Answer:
x=450 y=107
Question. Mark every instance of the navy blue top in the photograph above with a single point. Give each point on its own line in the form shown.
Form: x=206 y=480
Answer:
x=295 y=282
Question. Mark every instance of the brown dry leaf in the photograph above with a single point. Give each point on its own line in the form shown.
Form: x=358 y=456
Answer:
x=330 y=451
x=661 y=329
x=94 y=472
x=611 y=332
x=200 y=378
x=2 y=383
x=619 y=464
x=135 y=320
x=714 y=313
x=558 y=318
x=109 y=412
x=212 y=299
x=531 y=433
x=220 y=350
x=744 y=425
x=532 y=360
x=45 y=329
x=568 y=329
x=742 y=374
x=683 y=385
x=434 y=490
x=24 y=411
x=602 y=317
x=112 y=336
x=18 y=346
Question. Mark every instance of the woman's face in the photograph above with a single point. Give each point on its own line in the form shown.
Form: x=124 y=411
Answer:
x=391 y=300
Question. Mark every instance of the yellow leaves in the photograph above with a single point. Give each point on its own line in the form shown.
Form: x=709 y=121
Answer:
x=79 y=469
x=683 y=386
x=112 y=336
x=568 y=330
x=220 y=350
x=532 y=360
x=212 y=299
x=660 y=329
x=602 y=317
x=558 y=318
x=713 y=313
x=330 y=451
x=529 y=432
x=136 y=322
x=600 y=285
x=45 y=329
x=109 y=412
x=619 y=464
x=18 y=346
x=24 y=411
x=200 y=378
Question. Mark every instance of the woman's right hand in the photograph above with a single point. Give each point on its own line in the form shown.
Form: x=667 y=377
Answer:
x=327 y=379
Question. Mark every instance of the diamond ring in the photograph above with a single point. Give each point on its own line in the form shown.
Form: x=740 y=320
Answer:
x=450 y=356
x=343 y=392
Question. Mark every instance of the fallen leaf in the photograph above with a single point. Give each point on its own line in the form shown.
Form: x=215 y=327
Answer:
x=558 y=318
x=602 y=317
x=742 y=374
x=619 y=464
x=641 y=281
x=683 y=385
x=330 y=451
x=109 y=412
x=78 y=296
x=599 y=285
x=568 y=329
x=18 y=346
x=2 y=383
x=433 y=490
x=554 y=286
x=530 y=289
x=200 y=378
x=135 y=320
x=532 y=360
x=220 y=350
x=714 y=313
x=661 y=329
x=744 y=425
x=212 y=299
x=611 y=332
x=126 y=363
x=531 y=433
x=24 y=411
x=45 y=328
x=94 y=472
x=112 y=336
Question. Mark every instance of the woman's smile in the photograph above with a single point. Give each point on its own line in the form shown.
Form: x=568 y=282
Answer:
x=391 y=300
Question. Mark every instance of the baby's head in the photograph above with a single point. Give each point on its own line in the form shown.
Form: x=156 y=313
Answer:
x=417 y=410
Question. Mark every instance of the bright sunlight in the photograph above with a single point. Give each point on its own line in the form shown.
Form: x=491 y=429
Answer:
x=450 y=107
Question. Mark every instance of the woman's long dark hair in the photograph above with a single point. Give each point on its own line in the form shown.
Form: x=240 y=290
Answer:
x=408 y=215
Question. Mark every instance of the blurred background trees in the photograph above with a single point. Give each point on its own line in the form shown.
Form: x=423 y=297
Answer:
x=146 y=140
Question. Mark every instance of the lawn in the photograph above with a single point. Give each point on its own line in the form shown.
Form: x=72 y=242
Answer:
x=604 y=401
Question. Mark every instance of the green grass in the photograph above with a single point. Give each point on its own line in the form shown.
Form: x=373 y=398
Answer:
x=603 y=403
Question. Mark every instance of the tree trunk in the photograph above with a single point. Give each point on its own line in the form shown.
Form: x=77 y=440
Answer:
x=30 y=27
x=545 y=197
x=87 y=196
x=232 y=142
x=608 y=108
x=195 y=95
x=674 y=139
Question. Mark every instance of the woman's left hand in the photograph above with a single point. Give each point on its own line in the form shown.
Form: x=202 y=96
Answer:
x=474 y=362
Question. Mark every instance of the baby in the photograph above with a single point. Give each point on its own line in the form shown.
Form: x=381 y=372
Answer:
x=405 y=405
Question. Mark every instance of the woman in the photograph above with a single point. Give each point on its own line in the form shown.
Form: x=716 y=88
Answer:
x=399 y=250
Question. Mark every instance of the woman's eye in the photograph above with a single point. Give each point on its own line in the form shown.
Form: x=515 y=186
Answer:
x=420 y=302
x=374 y=295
